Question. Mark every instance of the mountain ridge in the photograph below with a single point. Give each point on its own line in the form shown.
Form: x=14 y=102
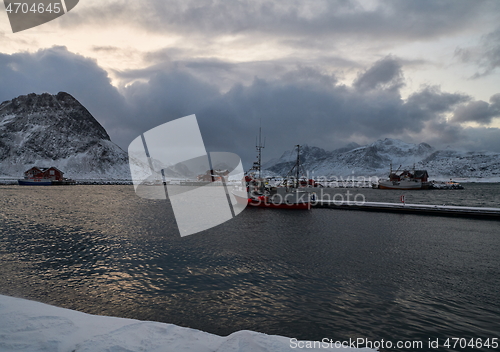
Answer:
x=56 y=130
x=375 y=159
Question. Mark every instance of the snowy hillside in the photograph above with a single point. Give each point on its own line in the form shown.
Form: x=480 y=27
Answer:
x=56 y=130
x=463 y=164
x=309 y=158
x=375 y=159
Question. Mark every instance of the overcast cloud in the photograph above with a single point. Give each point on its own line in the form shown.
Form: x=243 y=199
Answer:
x=486 y=55
x=323 y=73
x=390 y=20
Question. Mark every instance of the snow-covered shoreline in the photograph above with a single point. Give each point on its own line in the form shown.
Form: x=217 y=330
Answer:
x=87 y=181
x=95 y=181
x=30 y=326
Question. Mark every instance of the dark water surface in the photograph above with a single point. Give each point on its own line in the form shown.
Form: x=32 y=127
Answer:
x=306 y=274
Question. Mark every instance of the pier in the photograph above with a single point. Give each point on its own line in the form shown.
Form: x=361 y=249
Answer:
x=422 y=209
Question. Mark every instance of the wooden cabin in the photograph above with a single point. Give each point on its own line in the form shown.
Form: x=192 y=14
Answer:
x=49 y=173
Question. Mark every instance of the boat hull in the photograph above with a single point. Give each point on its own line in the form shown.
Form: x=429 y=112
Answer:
x=35 y=182
x=400 y=185
x=45 y=182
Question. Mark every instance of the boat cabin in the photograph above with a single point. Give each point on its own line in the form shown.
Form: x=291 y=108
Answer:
x=394 y=177
x=50 y=173
x=421 y=175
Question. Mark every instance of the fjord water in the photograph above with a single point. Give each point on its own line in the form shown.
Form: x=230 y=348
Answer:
x=315 y=274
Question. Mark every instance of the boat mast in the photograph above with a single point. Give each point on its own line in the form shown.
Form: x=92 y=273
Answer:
x=297 y=172
x=259 y=146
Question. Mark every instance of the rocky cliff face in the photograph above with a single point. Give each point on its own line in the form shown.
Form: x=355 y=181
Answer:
x=56 y=130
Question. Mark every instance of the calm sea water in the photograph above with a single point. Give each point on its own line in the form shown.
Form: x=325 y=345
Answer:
x=311 y=275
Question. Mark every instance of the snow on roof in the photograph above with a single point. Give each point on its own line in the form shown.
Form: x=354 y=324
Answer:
x=43 y=169
x=35 y=327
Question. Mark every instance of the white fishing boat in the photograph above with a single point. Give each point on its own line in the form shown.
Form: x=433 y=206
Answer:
x=405 y=184
x=406 y=180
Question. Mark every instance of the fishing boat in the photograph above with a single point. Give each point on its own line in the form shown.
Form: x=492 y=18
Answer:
x=35 y=182
x=400 y=184
x=258 y=193
x=406 y=180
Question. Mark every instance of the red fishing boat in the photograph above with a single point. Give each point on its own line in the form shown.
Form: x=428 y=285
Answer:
x=258 y=193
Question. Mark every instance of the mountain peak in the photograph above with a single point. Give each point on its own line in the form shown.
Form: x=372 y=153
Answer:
x=370 y=159
x=54 y=130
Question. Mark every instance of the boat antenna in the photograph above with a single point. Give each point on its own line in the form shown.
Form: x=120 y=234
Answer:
x=259 y=146
x=296 y=169
x=298 y=165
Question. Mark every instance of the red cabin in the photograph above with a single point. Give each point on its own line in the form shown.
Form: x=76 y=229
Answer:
x=51 y=173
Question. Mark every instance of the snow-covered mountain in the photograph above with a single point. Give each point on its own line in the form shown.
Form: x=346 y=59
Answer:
x=56 y=130
x=463 y=164
x=375 y=159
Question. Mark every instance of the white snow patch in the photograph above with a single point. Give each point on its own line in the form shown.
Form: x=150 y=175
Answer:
x=28 y=326
x=7 y=118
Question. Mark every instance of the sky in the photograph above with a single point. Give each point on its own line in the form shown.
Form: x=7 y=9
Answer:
x=321 y=73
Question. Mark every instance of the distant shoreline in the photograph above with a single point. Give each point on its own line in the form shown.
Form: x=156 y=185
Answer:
x=10 y=181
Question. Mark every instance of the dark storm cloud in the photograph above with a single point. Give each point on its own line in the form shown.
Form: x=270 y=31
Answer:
x=324 y=114
x=425 y=104
x=56 y=69
x=386 y=74
x=226 y=74
x=49 y=70
x=291 y=18
x=300 y=106
x=482 y=139
x=479 y=111
x=486 y=55
x=167 y=96
x=441 y=134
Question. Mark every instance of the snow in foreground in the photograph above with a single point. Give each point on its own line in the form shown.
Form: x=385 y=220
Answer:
x=33 y=326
